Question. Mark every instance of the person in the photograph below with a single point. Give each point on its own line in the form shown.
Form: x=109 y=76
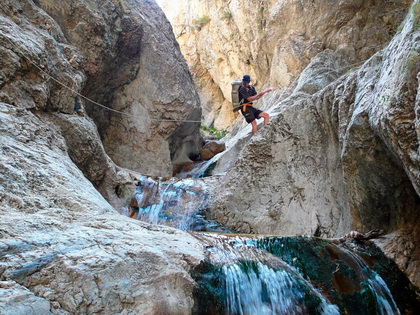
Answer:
x=248 y=94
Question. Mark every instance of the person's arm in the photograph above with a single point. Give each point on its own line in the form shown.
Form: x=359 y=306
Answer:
x=257 y=96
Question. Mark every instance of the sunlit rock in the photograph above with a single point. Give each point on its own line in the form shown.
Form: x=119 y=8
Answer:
x=272 y=40
x=211 y=148
x=339 y=154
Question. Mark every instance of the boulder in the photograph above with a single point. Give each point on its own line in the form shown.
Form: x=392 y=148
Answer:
x=211 y=148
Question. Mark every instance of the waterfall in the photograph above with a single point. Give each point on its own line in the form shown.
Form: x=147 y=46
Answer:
x=246 y=275
x=263 y=291
x=172 y=202
x=175 y=202
x=384 y=301
x=257 y=282
x=267 y=291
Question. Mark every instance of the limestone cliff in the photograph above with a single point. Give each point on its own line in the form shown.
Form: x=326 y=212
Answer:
x=272 y=40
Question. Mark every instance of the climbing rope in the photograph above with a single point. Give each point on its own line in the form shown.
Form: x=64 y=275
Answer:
x=121 y=112
x=88 y=99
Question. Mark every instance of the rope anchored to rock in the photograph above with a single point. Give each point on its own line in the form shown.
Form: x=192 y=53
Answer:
x=88 y=99
x=118 y=111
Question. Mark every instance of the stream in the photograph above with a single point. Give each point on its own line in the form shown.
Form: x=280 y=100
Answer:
x=257 y=274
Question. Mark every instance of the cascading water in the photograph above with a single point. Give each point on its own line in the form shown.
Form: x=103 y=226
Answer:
x=384 y=301
x=261 y=291
x=267 y=291
x=175 y=202
x=266 y=275
x=253 y=281
x=296 y=275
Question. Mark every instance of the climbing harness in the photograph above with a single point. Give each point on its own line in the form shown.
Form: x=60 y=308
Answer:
x=245 y=106
x=88 y=99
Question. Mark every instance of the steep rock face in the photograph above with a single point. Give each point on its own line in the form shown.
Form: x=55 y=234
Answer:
x=272 y=40
x=61 y=238
x=337 y=156
x=63 y=248
x=283 y=182
x=121 y=55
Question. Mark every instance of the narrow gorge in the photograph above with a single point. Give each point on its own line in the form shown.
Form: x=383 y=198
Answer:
x=115 y=199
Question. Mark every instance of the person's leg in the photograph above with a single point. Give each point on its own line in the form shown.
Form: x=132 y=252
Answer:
x=254 y=127
x=265 y=116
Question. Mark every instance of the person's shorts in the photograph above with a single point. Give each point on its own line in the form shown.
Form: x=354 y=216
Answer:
x=251 y=114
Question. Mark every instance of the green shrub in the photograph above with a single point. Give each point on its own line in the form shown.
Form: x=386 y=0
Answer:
x=227 y=16
x=219 y=134
x=201 y=22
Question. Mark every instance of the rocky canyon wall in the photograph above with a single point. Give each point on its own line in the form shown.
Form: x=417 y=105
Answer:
x=111 y=52
x=272 y=40
x=341 y=150
x=340 y=153
x=64 y=249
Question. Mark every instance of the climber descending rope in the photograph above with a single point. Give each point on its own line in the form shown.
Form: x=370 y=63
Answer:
x=246 y=95
x=88 y=99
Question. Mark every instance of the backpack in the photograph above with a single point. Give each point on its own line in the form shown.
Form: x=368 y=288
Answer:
x=236 y=104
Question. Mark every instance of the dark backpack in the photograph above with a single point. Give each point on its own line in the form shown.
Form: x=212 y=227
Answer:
x=236 y=103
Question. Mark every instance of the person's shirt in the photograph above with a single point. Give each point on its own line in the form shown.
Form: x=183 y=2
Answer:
x=245 y=92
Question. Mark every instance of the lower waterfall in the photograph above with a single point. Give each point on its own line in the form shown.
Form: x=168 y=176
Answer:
x=256 y=274
x=264 y=290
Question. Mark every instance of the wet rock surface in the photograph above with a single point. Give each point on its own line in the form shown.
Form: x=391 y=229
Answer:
x=353 y=277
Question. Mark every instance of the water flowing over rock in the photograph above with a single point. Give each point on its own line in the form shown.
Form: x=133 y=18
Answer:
x=242 y=274
x=330 y=157
x=173 y=202
x=271 y=275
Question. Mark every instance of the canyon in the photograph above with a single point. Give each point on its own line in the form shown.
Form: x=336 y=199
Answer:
x=96 y=94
